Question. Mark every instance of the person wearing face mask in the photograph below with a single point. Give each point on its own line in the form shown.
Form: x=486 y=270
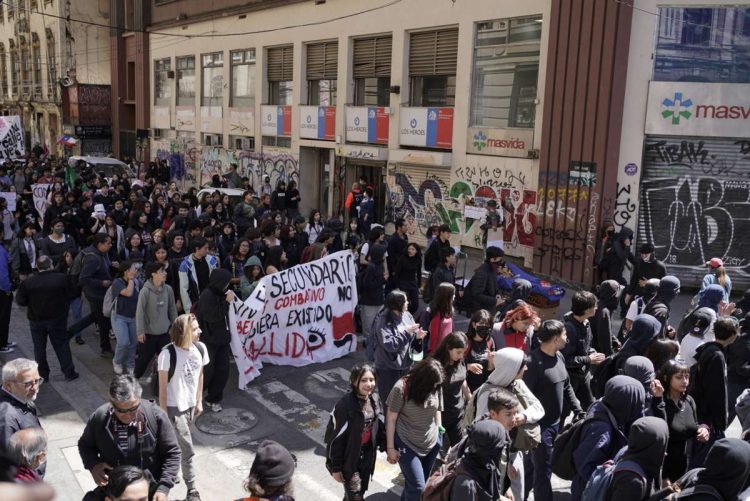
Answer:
x=480 y=478
x=661 y=305
x=481 y=291
x=57 y=242
x=603 y=246
x=479 y=361
x=646 y=268
x=614 y=262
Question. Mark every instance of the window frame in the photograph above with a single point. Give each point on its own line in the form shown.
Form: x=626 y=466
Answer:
x=189 y=98
x=212 y=61
x=162 y=87
x=236 y=101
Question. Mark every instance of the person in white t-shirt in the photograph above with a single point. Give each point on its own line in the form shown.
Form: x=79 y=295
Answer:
x=181 y=396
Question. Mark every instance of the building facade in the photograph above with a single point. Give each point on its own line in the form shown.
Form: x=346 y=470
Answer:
x=48 y=64
x=436 y=105
x=684 y=165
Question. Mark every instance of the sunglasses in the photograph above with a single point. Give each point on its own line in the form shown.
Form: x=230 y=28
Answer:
x=125 y=411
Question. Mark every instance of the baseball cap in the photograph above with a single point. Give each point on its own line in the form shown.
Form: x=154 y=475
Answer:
x=701 y=320
x=715 y=262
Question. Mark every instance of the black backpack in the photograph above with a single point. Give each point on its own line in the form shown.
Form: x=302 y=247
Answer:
x=567 y=442
x=602 y=373
x=172 y=365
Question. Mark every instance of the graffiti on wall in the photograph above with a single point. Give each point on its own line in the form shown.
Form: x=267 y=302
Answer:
x=431 y=201
x=277 y=165
x=695 y=203
x=182 y=156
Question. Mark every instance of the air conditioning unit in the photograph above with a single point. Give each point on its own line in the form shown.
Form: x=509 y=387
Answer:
x=66 y=81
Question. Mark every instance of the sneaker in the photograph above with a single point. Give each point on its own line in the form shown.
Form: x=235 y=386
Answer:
x=192 y=495
x=79 y=340
x=6 y=349
x=72 y=376
x=213 y=407
x=117 y=368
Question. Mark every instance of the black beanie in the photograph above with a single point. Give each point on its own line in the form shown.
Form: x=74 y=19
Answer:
x=274 y=465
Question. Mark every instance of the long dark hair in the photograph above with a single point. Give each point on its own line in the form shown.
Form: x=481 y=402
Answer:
x=442 y=301
x=668 y=371
x=423 y=380
x=450 y=342
x=358 y=371
x=273 y=257
x=236 y=249
x=477 y=317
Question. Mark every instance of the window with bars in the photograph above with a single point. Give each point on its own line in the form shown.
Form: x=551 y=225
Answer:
x=51 y=67
x=280 y=74
x=3 y=72
x=14 y=65
x=322 y=70
x=506 y=66
x=242 y=93
x=432 y=67
x=372 y=71
x=36 y=54
x=25 y=68
x=162 y=88
x=185 y=81
x=212 y=84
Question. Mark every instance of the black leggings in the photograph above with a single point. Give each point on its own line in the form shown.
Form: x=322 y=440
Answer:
x=356 y=485
x=216 y=373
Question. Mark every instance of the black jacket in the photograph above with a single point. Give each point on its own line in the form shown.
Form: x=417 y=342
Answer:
x=344 y=432
x=155 y=449
x=213 y=310
x=372 y=280
x=646 y=269
x=94 y=271
x=432 y=256
x=15 y=416
x=47 y=295
x=576 y=352
x=738 y=360
x=710 y=389
x=482 y=289
x=442 y=274
x=396 y=249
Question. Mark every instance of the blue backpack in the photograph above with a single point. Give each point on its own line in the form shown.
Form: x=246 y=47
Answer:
x=598 y=486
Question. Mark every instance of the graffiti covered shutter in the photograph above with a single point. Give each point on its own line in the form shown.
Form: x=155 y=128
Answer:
x=695 y=205
x=420 y=196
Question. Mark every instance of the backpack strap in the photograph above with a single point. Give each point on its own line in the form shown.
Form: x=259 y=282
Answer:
x=632 y=467
x=172 y=360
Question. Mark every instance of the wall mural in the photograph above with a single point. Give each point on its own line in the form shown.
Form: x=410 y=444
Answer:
x=429 y=200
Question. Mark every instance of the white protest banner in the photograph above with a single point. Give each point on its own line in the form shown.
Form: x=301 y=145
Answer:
x=296 y=317
x=39 y=192
x=11 y=138
x=10 y=197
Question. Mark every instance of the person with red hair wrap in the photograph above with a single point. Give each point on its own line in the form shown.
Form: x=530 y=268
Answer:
x=516 y=329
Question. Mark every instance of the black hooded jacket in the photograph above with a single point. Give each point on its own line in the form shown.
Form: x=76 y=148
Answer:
x=604 y=338
x=213 y=310
x=371 y=292
x=644 y=330
x=647 y=443
x=481 y=292
x=619 y=255
x=710 y=386
x=519 y=293
x=738 y=360
x=578 y=347
x=659 y=307
x=646 y=269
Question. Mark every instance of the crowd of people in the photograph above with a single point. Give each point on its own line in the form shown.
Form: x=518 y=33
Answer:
x=634 y=407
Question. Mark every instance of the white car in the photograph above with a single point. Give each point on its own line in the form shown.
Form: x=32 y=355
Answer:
x=105 y=165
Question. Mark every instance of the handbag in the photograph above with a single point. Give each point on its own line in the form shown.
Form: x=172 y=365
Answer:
x=526 y=437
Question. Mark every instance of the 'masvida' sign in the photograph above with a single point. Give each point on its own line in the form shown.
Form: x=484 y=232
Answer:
x=698 y=109
x=500 y=142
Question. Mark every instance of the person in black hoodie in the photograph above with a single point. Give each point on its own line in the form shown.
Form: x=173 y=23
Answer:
x=647 y=444
x=442 y=274
x=432 y=256
x=644 y=331
x=370 y=287
x=742 y=307
x=481 y=292
x=642 y=369
x=614 y=261
x=396 y=249
x=709 y=386
x=601 y=439
x=726 y=472
x=604 y=335
x=213 y=317
x=519 y=293
x=646 y=267
x=738 y=365
x=479 y=477
x=660 y=306
x=407 y=273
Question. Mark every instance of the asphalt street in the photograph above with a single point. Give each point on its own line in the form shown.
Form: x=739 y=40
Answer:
x=289 y=405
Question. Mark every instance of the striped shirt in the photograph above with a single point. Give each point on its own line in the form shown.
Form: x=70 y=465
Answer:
x=416 y=425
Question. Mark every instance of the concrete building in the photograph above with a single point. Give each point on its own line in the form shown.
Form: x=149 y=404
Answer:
x=437 y=102
x=54 y=72
x=683 y=179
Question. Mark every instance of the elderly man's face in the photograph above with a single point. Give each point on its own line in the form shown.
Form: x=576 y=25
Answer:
x=26 y=385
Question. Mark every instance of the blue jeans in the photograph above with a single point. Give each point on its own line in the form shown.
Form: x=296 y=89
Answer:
x=416 y=469
x=542 y=459
x=127 y=342
x=76 y=309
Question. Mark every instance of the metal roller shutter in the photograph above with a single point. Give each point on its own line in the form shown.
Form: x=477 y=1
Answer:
x=372 y=57
x=419 y=192
x=694 y=204
x=280 y=64
x=322 y=61
x=433 y=53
